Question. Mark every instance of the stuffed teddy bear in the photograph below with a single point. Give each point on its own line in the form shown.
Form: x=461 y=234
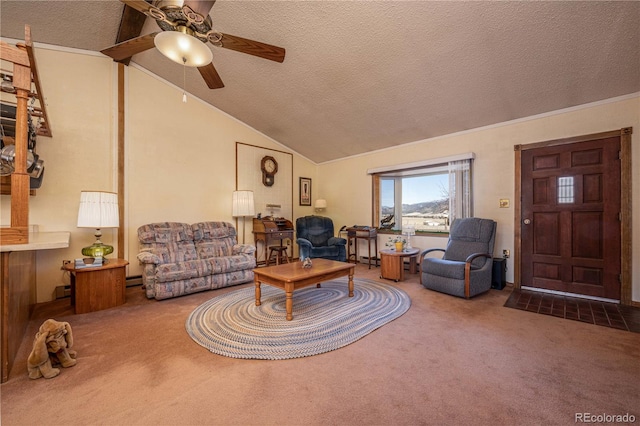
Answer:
x=51 y=348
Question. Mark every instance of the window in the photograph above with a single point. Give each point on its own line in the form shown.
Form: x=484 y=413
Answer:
x=426 y=196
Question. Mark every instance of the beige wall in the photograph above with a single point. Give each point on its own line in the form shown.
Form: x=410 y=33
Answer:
x=181 y=160
x=79 y=156
x=493 y=169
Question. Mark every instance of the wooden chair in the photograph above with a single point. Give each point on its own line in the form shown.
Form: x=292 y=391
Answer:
x=280 y=252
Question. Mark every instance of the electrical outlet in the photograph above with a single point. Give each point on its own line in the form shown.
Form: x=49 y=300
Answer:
x=506 y=253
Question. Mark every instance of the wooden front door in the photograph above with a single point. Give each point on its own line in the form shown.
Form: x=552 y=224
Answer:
x=570 y=217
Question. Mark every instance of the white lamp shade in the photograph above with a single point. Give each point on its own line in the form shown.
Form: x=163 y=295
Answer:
x=321 y=204
x=183 y=48
x=98 y=210
x=243 y=203
x=409 y=230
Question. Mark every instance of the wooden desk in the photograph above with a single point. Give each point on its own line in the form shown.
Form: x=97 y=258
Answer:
x=99 y=287
x=269 y=231
x=362 y=233
x=393 y=263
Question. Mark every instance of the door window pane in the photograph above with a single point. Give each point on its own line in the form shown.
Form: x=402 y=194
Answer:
x=565 y=190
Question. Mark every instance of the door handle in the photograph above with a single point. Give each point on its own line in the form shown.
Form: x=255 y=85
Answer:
x=527 y=221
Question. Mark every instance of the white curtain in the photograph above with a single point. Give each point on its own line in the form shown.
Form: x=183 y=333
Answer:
x=460 y=204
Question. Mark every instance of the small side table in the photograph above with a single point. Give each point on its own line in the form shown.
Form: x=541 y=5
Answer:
x=362 y=233
x=98 y=287
x=392 y=263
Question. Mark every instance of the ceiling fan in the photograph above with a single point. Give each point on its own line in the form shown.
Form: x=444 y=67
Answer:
x=189 y=21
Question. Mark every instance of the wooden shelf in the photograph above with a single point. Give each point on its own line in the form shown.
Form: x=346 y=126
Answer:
x=26 y=81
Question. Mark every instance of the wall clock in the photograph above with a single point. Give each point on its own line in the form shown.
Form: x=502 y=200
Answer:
x=269 y=167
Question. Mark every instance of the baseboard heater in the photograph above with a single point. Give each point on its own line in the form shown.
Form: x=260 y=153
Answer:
x=63 y=291
x=134 y=281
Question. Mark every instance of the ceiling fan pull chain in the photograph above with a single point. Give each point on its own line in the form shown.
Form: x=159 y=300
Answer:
x=184 y=80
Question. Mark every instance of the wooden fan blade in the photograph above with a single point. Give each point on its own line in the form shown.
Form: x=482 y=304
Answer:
x=131 y=25
x=129 y=48
x=203 y=7
x=211 y=76
x=139 y=5
x=252 y=47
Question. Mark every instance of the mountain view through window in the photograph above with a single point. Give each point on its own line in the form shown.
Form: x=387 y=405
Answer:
x=418 y=201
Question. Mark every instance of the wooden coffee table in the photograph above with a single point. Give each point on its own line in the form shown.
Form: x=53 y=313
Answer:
x=291 y=276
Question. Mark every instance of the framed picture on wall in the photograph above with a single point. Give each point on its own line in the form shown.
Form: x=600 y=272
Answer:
x=305 y=191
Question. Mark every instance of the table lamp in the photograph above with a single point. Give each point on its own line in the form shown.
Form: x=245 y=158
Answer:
x=409 y=230
x=320 y=205
x=243 y=206
x=272 y=208
x=98 y=210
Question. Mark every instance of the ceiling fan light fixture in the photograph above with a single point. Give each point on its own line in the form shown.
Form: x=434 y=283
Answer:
x=183 y=48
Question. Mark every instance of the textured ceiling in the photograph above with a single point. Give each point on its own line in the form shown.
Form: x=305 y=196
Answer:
x=365 y=75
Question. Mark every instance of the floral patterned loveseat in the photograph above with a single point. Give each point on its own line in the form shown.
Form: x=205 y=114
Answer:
x=179 y=258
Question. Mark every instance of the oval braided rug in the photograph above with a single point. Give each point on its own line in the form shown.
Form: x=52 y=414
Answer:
x=324 y=319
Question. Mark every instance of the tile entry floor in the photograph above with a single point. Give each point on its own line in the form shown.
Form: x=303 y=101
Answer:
x=585 y=310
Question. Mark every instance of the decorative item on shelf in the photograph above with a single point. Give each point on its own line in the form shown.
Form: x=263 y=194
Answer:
x=387 y=222
x=98 y=209
x=88 y=262
x=409 y=230
x=397 y=242
x=7 y=84
x=306 y=262
x=243 y=206
x=320 y=205
x=272 y=208
x=35 y=166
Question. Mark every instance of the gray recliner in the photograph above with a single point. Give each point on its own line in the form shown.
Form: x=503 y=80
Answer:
x=465 y=268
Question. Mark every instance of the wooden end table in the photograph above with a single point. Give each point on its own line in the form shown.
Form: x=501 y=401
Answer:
x=362 y=233
x=392 y=263
x=97 y=287
x=290 y=276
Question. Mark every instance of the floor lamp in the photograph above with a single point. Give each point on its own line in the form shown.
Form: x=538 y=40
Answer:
x=243 y=206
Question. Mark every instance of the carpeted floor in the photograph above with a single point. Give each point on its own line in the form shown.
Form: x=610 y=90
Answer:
x=446 y=361
x=577 y=309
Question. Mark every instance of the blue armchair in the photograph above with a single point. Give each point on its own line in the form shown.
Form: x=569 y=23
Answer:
x=315 y=238
x=465 y=268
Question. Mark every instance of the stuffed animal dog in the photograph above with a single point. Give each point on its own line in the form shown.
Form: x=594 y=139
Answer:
x=51 y=347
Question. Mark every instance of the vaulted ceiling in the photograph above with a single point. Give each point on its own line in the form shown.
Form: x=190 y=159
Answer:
x=365 y=75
